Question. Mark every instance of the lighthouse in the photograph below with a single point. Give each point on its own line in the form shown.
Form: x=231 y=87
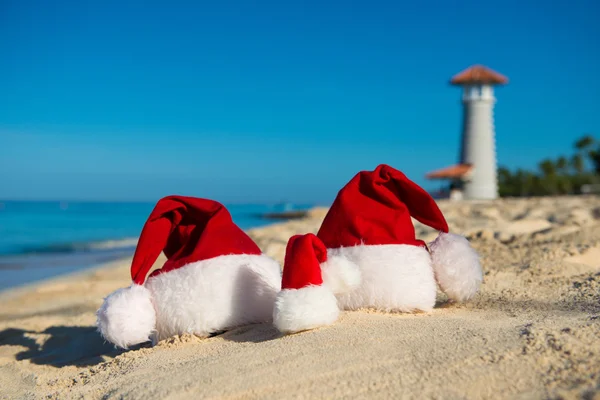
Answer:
x=475 y=176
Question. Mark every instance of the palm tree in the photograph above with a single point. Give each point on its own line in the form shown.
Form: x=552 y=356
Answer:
x=564 y=184
x=563 y=176
x=594 y=156
x=585 y=142
x=505 y=182
x=549 y=179
x=561 y=165
x=577 y=163
x=528 y=186
x=547 y=167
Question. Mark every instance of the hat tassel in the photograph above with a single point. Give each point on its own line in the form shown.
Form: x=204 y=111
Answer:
x=127 y=316
x=456 y=266
x=340 y=274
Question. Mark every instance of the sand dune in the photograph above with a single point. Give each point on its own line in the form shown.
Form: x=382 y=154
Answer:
x=532 y=332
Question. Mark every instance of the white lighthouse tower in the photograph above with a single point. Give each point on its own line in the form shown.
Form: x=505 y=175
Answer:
x=475 y=177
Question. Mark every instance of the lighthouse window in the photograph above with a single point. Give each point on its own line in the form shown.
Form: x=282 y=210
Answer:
x=475 y=91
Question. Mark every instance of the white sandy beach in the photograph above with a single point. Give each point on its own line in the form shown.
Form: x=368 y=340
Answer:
x=533 y=331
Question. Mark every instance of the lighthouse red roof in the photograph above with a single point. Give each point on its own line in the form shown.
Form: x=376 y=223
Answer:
x=478 y=74
x=454 y=171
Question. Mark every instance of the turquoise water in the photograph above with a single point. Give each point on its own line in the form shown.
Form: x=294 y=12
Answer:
x=39 y=240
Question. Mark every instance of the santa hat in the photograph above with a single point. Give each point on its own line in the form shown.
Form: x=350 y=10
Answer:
x=187 y=230
x=304 y=301
x=368 y=236
x=375 y=208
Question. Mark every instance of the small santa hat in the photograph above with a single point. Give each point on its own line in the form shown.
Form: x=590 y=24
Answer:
x=304 y=302
x=187 y=230
x=375 y=208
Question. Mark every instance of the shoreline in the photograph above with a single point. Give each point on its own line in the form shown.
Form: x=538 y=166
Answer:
x=102 y=253
x=533 y=331
x=34 y=247
x=18 y=271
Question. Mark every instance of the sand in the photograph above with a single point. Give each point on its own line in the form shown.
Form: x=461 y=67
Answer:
x=533 y=331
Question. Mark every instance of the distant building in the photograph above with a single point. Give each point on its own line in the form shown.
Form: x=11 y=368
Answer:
x=475 y=176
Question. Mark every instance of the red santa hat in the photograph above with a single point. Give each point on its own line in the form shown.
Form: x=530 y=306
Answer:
x=193 y=233
x=187 y=230
x=304 y=302
x=375 y=208
x=368 y=233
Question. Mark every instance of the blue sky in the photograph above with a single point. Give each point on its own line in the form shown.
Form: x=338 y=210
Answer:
x=266 y=101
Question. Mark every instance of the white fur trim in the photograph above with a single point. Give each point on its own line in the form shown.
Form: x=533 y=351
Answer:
x=456 y=266
x=216 y=294
x=394 y=278
x=339 y=273
x=306 y=308
x=127 y=316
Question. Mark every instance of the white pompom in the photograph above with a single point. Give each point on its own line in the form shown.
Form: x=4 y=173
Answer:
x=127 y=316
x=303 y=309
x=456 y=266
x=340 y=274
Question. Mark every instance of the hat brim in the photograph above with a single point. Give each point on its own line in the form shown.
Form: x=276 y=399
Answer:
x=394 y=277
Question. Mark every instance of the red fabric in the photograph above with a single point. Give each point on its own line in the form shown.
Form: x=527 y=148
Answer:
x=187 y=229
x=375 y=208
x=302 y=265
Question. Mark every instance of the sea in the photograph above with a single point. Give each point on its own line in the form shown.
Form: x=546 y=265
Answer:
x=45 y=239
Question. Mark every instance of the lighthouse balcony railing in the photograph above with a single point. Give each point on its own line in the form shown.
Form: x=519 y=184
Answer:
x=478 y=92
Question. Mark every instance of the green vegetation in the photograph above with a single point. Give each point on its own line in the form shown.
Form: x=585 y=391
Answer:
x=561 y=176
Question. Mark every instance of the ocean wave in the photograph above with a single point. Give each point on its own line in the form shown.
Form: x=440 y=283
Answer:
x=80 y=247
